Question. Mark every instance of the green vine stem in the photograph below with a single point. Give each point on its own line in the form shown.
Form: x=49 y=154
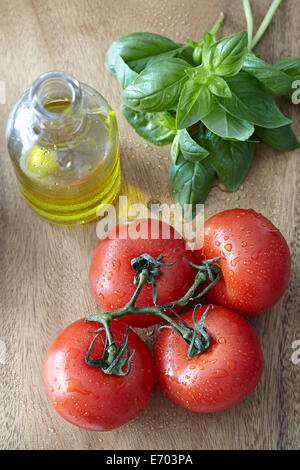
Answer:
x=147 y=268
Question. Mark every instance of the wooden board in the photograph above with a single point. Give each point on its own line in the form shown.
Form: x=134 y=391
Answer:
x=44 y=268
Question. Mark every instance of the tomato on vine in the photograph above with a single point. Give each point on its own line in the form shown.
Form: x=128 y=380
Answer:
x=99 y=374
x=221 y=376
x=112 y=276
x=254 y=259
x=85 y=395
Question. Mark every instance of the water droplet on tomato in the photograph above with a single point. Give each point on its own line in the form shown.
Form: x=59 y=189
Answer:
x=119 y=294
x=74 y=385
x=255 y=256
x=220 y=373
x=222 y=340
x=247 y=262
x=232 y=365
x=228 y=247
x=217 y=243
x=244 y=244
x=234 y=261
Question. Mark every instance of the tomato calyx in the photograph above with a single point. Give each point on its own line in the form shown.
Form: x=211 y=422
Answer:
x=112 y=360
x=147 y=268
x=197 y=338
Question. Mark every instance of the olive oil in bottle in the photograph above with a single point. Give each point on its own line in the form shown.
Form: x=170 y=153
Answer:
x=62 y=137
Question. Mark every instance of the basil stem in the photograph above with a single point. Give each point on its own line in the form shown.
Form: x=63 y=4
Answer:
x=265 y=23
x=249 y=20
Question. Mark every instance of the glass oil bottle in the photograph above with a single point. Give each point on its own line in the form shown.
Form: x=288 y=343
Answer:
x=62 y=137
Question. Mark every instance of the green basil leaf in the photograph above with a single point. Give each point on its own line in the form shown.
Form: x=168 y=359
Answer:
x=225 y=57
x=208 y=39
x=190 y=183
x=224 y=125
x=194 y=44
x=186 y=53
x=124 y=74
x=219 y=87
x=281 y=138
x=137 y=49
x=198 y=134
x=167 y=120
x=276 y=81
x=198 y=74
x=165 y=55
x=231 y=160
x=195 y=102
x=150 y=126
x=190 y=149
x=252 y=102
x=158 y=86
x=175 y=149
x=289 y=65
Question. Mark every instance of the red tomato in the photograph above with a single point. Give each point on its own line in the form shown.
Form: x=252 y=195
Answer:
x=111 y=274
x=86 y=396
x=255 y=260
x=218 y=378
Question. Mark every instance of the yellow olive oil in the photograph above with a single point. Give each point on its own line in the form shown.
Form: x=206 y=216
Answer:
x=67 y=160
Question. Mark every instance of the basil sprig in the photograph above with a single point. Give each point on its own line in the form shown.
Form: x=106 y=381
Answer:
x=210 y=98
x=157 y=87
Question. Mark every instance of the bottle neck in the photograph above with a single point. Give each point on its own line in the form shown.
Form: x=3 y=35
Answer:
x=56 y=106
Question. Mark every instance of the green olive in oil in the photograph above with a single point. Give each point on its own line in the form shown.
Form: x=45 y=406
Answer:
x=62 y=137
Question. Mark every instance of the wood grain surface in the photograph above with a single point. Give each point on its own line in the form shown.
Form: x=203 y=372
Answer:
x=44 y=268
